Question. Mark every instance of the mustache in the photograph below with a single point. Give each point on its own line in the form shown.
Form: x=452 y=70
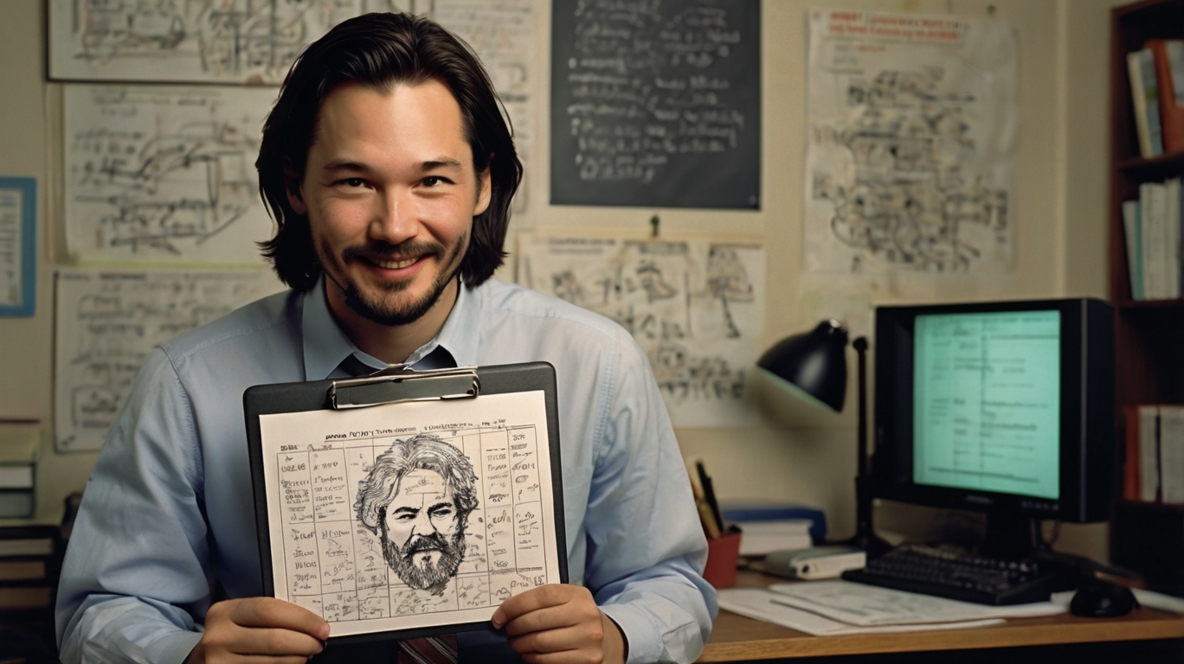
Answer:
x=382 y=250
x=433 y=542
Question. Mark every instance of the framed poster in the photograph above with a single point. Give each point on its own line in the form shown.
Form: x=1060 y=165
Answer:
x=18 y=246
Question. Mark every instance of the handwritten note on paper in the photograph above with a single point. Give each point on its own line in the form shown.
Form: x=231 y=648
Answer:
x=108 y=322
x=695 y=307
x=11 y=247
x=207 y=41
x=410 y=515
x=912 y=143
x=160 y=174
x=502 y=34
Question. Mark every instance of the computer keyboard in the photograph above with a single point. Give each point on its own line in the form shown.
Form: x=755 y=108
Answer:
x=969 y=578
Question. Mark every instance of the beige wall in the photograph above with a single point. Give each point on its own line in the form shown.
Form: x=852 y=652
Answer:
x=1059 y=206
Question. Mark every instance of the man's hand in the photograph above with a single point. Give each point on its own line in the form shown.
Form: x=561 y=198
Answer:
x=241 y=629
x=557 y=623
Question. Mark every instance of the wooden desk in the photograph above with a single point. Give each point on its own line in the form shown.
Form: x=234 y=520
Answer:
x=736 y=638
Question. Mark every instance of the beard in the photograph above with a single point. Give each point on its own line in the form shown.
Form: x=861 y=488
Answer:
x=373 y=306
x=425 y=575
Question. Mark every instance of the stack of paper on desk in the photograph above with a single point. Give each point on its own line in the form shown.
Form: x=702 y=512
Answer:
x=841 y=607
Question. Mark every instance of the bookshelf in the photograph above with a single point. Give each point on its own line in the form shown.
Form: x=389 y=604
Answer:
x=1149 y=334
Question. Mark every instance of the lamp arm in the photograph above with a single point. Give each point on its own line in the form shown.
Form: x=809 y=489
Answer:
x=865 y=533
x=860 y=346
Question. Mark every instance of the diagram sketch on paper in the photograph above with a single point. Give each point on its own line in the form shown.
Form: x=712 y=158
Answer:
x=376 y=525
x=911 y=146
x=164 y=174
x=501 y=32
x=695 y=307
x=108 y=322
x=228 y=41
x=257 y=41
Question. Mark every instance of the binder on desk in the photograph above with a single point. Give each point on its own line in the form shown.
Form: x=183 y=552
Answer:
x=408 y=503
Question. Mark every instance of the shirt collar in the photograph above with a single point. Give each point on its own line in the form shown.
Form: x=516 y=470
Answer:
x=326 y=346
x=461 y=333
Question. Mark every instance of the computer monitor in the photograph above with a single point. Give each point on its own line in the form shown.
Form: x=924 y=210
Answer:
x=1000 y=407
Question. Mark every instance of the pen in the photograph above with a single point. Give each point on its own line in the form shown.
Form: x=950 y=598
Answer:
x=709 y=495
x=708 y=519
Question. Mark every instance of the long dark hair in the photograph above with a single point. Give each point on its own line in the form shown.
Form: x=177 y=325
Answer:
x=381 y=50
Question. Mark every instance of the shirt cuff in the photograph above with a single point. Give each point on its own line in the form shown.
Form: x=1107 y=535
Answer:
x=172 y=648
x=641 y=636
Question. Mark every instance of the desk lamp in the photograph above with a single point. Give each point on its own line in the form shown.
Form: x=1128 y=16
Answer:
x=813 y=366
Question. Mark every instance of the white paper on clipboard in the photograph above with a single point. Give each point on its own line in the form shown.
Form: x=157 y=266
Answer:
x=325 y=557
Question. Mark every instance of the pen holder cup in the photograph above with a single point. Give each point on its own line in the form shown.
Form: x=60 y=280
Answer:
x=723 y=553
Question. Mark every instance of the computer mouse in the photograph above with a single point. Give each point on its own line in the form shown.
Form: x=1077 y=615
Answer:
x=1099 y=599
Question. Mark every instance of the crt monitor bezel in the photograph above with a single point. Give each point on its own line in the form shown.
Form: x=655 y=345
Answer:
x=1086 y=418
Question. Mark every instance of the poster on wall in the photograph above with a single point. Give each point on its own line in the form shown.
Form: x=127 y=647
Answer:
x=696 y=307
x=501 y=32
x=912 y=143
x=210 y=41
x=18 y=242
x=107 y=324
x=164 y=173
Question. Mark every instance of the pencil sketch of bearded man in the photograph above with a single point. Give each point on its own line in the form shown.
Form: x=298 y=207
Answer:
x=417 y=498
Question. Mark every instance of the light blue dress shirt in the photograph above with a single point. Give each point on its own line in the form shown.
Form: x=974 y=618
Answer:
x=167 y=522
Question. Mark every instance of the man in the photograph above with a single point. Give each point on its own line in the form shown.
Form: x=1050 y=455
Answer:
x=417 y=499
x=389 y=170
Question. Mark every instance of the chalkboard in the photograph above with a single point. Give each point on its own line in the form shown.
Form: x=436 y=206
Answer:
x=656 y=103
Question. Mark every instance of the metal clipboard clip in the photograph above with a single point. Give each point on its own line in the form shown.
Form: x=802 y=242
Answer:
x=398 y=383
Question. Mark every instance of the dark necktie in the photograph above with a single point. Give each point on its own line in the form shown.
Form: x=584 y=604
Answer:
x=428 y=650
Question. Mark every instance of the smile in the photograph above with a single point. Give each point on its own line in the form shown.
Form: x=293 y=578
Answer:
x=394 y=264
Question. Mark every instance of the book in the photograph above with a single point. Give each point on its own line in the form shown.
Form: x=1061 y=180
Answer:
x=1130 y=471
x=742 y=511
x=17 y=541
x=1174 y=49
x=763 y=537
x=1134 y=243
x=17 y=503
x=1171 y=454
x=20 y=442
x=1171 y=111
x=26 y=597
x=1176 y=250
x=1145 y=98
x=1171 y=244
x=1147 y=202
x=1153 y=222
x=16 y=476
x=17 y=569
x=1149 y=453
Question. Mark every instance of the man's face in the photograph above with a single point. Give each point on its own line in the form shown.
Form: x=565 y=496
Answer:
x=422 y=536
x=390 y=191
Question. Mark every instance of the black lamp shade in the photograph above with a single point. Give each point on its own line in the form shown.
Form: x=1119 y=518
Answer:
x=812 y=362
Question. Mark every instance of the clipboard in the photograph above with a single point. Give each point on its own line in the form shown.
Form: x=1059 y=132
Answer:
x=360 y=489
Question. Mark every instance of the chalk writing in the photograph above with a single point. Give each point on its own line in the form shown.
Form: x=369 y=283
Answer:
x=648 y=93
